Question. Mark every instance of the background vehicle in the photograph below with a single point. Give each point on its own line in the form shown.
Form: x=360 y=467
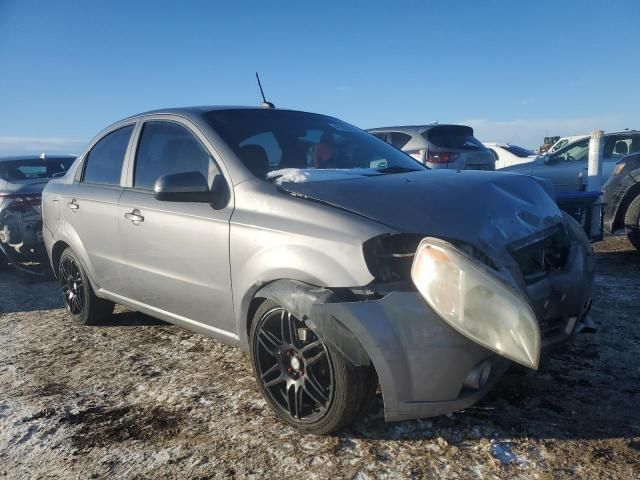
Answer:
x=335 y=244
x=439 y=146
x=622 y=199
x=567 y=168
x=21 y=182
x=565 y=141
x=506 y=154
x=548 y=143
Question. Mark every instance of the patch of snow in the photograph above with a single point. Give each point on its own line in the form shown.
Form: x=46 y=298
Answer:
x=302 y=175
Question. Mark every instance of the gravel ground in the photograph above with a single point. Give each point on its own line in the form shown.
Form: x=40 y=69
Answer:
x=137 y=398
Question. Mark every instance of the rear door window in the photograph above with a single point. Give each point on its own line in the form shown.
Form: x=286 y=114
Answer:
x=166 y=148
x=458 y=137
x=103 y=164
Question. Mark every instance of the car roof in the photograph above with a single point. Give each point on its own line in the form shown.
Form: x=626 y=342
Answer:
x=11 y=158
x=198 y=110
x=414 y=128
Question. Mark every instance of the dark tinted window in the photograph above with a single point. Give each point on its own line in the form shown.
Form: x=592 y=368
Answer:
x=399 y=139
x=166 y=148
x=16 y=170
x=518 y=151
x=304 y=141
x=453 y=136
x=103 y=165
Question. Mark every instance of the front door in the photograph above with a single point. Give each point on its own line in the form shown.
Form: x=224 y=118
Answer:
x=175 y=254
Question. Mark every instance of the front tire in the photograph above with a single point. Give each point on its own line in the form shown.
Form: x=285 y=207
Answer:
x=79 y=298
x=632 y=222
x=306 y=383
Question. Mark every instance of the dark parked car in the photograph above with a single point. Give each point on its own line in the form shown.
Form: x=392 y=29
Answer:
x=333 y=258
x=439 y=146
x=622 y=199
x=21 y=182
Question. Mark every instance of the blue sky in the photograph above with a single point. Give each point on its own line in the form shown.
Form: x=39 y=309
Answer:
x=515 y=70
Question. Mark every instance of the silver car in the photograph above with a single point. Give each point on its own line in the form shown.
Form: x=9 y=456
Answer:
x=566 y=168
x=439 y=146
x=337 y=261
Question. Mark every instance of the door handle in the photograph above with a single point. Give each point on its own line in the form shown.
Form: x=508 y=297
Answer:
x=73 y=205
x=134 y=217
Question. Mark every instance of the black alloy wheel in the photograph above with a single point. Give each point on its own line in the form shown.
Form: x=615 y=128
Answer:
x=72 y=286
x=294 y=366
x=77 y=293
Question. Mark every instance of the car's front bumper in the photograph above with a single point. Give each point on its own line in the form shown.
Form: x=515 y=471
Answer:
x=425 y=367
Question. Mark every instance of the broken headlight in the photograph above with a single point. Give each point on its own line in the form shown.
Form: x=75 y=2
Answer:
x=475 y=302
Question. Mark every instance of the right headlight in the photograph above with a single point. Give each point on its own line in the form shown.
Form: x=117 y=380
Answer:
x=472 y=300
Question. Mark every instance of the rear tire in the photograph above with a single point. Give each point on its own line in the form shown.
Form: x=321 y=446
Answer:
x=332 y=392
x=78 y=295
x=632 y=222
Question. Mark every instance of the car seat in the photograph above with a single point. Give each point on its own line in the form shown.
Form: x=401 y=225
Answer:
x=255 y=159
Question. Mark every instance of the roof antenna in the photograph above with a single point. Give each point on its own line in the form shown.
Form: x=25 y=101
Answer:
x=264 y=103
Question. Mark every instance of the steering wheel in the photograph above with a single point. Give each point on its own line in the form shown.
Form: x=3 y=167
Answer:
x=570 y=158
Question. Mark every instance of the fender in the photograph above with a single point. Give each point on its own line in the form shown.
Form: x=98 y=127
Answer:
x=291 y=262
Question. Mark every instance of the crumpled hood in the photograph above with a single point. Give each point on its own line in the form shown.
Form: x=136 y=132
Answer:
x=486 y=209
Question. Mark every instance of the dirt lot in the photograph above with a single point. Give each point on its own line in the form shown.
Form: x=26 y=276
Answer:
x=141 y=399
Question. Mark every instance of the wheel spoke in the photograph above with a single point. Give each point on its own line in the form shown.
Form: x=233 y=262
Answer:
x=274 y=381
x=270 y=342
x=289 y=330
x=316 y=358
x=314 y=389
x=279 y=379
x=294 y=401
x=310 y=346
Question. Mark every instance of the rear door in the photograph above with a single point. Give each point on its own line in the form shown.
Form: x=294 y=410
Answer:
x=176 y=259
x=90 y=206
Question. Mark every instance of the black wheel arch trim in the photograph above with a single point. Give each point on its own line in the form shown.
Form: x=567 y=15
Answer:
x=303 y=301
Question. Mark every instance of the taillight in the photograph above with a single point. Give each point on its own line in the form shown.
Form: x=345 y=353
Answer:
x=442 y=157
x=419 y=155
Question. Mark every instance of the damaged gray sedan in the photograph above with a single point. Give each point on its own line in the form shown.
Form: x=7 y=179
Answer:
x=337 y=261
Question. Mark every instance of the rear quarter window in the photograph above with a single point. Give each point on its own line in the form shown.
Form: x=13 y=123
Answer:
x=103 y=164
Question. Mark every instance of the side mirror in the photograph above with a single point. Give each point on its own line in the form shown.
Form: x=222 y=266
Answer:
x=183 y=187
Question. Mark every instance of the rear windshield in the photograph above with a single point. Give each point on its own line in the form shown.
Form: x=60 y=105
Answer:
x=273 y=143
x=459 y=137
x=17 y=170
x=518 y=151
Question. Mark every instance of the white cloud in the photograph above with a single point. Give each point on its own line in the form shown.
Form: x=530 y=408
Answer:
x=28 y=145
x=531 y=133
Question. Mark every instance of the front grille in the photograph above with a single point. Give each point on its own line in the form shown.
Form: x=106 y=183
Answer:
x=541 y=254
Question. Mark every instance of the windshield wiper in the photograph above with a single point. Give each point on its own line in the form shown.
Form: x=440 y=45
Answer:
x=396 y=169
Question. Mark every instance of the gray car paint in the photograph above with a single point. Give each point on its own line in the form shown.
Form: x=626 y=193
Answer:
x=313 y=234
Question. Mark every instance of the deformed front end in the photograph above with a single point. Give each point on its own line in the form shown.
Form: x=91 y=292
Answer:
x=440 y=338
